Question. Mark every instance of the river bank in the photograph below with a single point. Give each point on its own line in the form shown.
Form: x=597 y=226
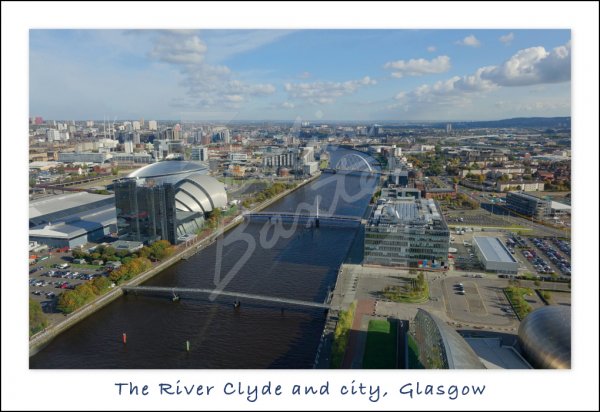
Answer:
x=40 y=340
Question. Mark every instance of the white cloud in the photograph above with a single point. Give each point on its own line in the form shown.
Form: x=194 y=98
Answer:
x=470 y=41
x=507 y=38
x=431 y=49
x=227 y=43
x=177 y=49
x=418 y=67
x=533 y=66
x=208 y=86
x=450 y=89
x=304 y=75
x=288 y=105
x=325 y=92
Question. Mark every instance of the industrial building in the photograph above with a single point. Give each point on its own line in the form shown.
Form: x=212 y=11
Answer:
x=76 y=229
x=167 y=200
x=59 y=208
x=494 y=256
x=407 y=232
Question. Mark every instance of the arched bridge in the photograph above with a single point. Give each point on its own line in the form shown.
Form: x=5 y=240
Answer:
x=353 y=162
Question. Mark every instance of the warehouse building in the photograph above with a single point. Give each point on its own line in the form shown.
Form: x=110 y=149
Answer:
x=494 y=256
x=58 y=208
x=72 y=219
x=76 y=229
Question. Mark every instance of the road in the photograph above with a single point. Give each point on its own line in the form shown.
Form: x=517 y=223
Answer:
x=539 y=228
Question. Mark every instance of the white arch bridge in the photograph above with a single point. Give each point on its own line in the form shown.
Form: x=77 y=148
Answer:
x=353 y=162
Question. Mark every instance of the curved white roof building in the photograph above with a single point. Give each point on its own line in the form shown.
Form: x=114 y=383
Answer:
x=200 y=193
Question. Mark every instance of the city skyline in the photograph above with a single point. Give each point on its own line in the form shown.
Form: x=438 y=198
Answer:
x=283 y=75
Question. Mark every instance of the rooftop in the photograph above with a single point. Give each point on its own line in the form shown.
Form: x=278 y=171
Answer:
x=168 y=167
x=494 y=355
x=77 y=225
x=526 y=195
x=407 y=211
x=493 y=249
x=53 y=204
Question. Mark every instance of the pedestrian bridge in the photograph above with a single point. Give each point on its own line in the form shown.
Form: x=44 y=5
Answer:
x=213 y=294
x=303 y=218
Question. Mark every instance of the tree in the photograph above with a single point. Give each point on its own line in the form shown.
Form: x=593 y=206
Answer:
x=37 y=318
x=421 y=281
x=480 y=178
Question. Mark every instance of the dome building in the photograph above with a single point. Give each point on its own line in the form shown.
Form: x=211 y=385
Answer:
x=545 y=337
x=166 y=200
x=168 y=171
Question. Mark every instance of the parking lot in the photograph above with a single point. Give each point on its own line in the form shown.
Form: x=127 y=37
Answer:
x=541 y=256
x=560 y=298
x=464 y=258
x=557 y=261
x=476 y=218
x=483 y=301
x=47 y=282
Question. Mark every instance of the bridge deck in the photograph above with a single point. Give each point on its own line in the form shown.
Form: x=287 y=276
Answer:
x=303 y=215
x=215 y=294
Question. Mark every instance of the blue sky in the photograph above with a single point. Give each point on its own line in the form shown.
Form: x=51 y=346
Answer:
x=403 y=75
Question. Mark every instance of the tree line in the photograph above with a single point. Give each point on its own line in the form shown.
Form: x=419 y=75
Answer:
x=268 y=193
x=132 y=266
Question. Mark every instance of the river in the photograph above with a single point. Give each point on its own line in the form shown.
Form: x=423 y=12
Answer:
x=300 y=265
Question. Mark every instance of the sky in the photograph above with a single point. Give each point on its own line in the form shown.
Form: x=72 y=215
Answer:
x=353 y=75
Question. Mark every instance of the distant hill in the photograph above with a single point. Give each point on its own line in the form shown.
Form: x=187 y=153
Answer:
x=528 y=122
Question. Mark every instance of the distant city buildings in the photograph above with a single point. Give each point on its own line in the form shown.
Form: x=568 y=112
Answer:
x=52 y=135
x=199 y=154
x=83 y=157
x=152 y=125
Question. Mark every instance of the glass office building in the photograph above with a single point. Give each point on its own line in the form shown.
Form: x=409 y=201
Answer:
x=528 y=205
x=167 y=201
x=407 y=232
x=145 y=213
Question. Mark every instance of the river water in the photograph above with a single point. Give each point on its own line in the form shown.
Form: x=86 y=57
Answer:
x=301 y=263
